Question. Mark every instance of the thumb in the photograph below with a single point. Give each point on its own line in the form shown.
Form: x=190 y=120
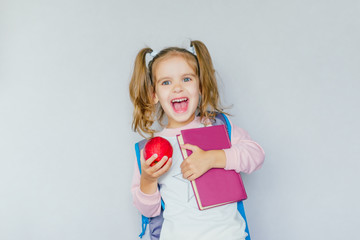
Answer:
x=190 y=147
x=142 y=159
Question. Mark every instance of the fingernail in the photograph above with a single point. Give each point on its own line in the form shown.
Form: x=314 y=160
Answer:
x=155 y=155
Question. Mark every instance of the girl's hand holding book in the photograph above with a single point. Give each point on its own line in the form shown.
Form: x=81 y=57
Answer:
x=200 y=161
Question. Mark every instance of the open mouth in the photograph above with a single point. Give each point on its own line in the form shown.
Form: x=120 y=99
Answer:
x=180 y=104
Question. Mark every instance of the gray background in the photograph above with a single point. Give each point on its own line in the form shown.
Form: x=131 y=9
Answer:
x=290 y=70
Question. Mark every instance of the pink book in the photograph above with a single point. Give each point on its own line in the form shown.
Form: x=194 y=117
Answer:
x=217 y=186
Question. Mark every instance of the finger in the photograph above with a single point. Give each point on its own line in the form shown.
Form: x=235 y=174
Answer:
x=142 y=159
x=150 y=160
x=186 y=162
x=192 y=177
x=186 y=165
x=187 y=174
x=165 y=168
x=183 y=165
x=159 y=164
x=144 y=166
x=190 y=147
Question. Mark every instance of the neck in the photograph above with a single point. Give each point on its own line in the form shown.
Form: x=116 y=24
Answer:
x=176 y=124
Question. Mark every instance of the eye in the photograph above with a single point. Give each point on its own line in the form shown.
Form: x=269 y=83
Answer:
x=187 y=79
x=165 y=83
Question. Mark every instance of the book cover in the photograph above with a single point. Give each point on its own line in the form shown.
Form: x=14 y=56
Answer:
x=217 y=186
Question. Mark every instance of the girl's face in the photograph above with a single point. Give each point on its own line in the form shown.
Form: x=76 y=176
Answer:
x=177 y=90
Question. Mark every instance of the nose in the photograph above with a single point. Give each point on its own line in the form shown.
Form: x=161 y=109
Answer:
x=177 y=87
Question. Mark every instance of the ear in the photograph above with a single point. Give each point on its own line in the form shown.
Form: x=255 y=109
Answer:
x=155 y=98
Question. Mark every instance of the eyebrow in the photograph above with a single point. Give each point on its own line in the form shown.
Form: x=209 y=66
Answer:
x=184 y=75
x=189 y=74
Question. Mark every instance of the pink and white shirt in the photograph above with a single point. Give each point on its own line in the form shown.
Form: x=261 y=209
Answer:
x=182 y=218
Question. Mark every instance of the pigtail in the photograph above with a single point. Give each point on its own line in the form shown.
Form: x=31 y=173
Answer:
x=141 y=95
x=210 y=100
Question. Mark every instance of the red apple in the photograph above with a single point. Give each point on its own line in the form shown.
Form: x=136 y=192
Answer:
x=160 y=146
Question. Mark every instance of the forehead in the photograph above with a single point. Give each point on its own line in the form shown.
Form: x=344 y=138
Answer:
x=175 y=63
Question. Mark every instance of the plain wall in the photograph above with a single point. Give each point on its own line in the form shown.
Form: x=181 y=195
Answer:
x=289 y=69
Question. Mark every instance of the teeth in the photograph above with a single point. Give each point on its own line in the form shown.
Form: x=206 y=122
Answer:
x=179 y=100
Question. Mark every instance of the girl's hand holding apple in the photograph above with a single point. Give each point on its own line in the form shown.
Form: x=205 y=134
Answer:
x=155 y=161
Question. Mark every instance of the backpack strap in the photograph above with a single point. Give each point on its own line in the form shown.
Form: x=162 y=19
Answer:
x=221 y=118
x=145 y=220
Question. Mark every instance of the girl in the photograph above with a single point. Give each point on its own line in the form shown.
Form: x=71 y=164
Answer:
x=180 y=84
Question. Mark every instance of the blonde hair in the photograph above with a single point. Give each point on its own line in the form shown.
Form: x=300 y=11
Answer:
x=142 y=86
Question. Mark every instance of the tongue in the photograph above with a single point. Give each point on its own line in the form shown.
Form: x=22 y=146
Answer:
x=180 y=106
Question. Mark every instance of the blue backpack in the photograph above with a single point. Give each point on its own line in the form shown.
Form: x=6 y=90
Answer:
x=155 y=223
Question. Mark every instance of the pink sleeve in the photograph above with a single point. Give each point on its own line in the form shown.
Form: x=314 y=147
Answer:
x=245 y=155
x=149 y=205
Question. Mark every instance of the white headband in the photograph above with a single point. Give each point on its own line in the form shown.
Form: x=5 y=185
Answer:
x=153 y=54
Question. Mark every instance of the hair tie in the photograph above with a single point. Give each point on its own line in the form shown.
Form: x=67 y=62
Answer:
x=153 y=53
x=192 y=50
x=150 y=56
